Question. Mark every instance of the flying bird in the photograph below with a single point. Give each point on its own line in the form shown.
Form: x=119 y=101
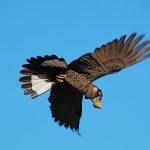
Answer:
x=69 y=83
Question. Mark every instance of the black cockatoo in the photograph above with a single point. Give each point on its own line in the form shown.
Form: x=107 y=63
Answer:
x=68 y=83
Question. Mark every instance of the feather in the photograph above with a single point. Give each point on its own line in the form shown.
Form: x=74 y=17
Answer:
x=42 y=85
x=142 y=45
x=66 y=105
x=38 y=77
x=54 y=63
x=140 y=53
x=139 y=59
x=136 y=50
x=34 y=95
x=35 y=82
x=26 y=72
x=127 y=44
x=26 y=85
x=135 y=42
x=28 y=91
x=121 y=42
x=44 y=88
x=112 y=57
x=25 y=79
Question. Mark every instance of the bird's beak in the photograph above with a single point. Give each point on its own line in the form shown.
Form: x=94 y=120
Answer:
x=97 y=103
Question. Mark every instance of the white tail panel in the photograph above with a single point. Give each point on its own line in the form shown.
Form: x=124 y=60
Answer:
x=45 y=88
x=41 y=84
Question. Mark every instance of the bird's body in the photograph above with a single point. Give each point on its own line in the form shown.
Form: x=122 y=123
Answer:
x=68 y=83
x=80 y=82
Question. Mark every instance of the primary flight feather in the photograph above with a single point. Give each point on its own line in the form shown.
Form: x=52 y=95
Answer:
x=68 y=83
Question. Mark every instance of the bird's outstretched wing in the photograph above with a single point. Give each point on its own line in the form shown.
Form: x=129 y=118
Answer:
x=112 y=57
x=40 y=75
x=66 y=105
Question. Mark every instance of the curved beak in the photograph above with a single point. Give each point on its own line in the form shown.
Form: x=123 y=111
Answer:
x=97 y=103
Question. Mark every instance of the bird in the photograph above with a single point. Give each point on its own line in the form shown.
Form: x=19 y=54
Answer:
x=68 y=83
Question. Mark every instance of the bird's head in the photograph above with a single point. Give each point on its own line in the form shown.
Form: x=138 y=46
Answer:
x=97 y=97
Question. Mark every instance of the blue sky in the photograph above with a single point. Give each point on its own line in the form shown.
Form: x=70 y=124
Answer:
x=69 y=29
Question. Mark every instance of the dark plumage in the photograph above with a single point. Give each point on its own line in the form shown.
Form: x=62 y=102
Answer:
x=68 y=83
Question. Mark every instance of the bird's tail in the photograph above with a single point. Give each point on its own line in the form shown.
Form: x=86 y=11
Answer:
x=41 y=73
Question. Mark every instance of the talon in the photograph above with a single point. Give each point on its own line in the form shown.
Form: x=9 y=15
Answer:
x=61 y=76
x=60 y=80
